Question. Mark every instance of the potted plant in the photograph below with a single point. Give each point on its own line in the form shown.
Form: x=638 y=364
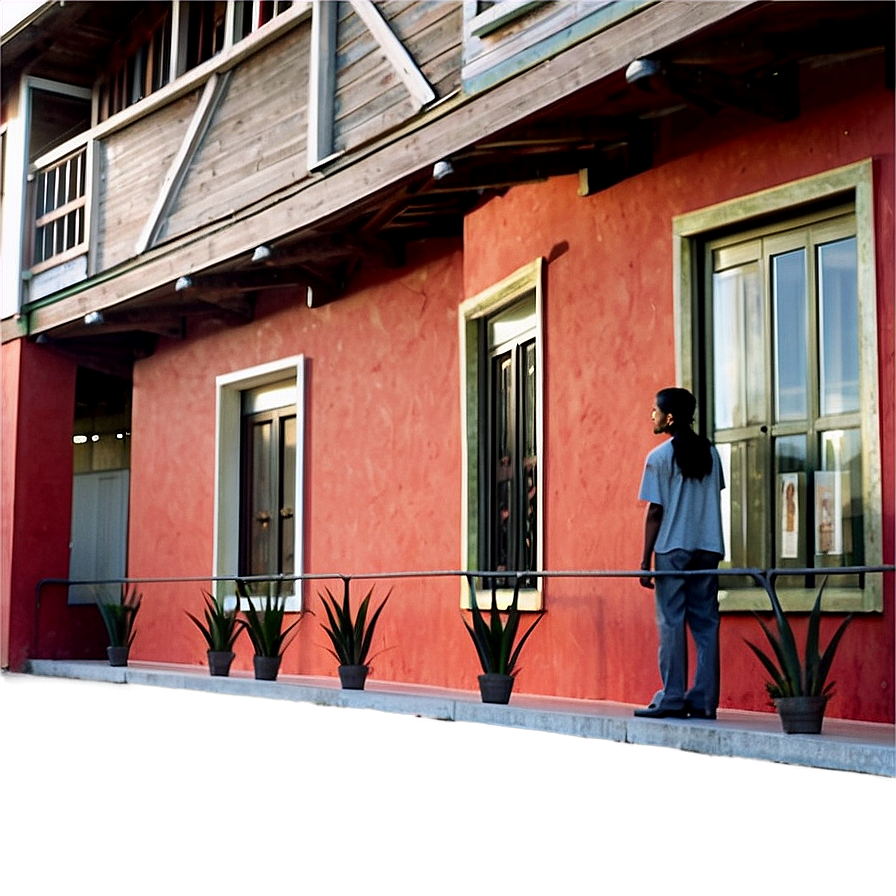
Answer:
x=351 y=638
x=496 y=644
x=798 y=687
x=220 y=630
x=118 y=617
x=265 y=628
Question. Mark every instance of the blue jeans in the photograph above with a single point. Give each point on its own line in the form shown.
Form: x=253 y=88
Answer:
x=688 y=602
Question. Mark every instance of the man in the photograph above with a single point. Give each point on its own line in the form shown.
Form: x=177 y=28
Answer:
x=683 y=530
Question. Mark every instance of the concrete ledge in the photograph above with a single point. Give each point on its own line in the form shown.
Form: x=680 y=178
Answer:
x=843 y=745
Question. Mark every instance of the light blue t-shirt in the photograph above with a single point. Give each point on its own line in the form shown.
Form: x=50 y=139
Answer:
x=692 y=515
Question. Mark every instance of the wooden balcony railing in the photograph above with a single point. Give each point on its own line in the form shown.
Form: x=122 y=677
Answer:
x=60 y=211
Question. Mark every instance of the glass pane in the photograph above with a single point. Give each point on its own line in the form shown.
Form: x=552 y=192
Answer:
x=789 y=296
x=529 y=558
x=745 y=503
x=287 y=495
x=839 y=327
x=261 y=506
x=738 y=347
x=792 y=514
x=839 y=521
x=502 y=500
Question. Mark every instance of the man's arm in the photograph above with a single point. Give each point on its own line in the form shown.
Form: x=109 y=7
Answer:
x=651 y=531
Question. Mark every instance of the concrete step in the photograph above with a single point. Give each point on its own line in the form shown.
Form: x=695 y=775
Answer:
x=845 y=745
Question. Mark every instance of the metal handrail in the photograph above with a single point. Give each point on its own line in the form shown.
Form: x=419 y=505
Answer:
x=763 y=577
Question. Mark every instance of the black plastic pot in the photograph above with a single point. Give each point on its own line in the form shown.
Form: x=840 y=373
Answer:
x=801 y=715
x=118 y=656
x=353 y=677
x=219 y=662
x=495 y=688
x=266 y=667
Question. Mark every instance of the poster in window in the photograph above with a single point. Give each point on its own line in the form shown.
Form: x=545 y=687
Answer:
x=790 y=515
x=828 y=512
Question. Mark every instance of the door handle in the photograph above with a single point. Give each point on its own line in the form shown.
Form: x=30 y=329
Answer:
x=286 y=513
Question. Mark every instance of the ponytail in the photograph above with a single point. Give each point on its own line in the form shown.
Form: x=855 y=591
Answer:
x=693 y=452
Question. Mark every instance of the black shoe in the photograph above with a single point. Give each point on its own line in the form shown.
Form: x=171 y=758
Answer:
x=657 y=712
x=705 y=714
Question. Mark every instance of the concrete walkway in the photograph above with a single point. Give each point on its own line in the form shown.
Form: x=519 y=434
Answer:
x=842 y=745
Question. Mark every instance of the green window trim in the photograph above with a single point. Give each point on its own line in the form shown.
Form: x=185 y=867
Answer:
x=851 y=183
x=526 y=281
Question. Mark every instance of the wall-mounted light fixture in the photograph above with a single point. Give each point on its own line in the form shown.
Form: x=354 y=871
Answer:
x=442 y=169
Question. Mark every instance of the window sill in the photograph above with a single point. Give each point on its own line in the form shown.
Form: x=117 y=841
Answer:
x=801 y=600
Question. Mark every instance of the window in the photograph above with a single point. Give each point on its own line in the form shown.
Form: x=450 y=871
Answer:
x=140 y=65
x=502 y=391
x=166 y=40
x=260 y=439
x=787 y=393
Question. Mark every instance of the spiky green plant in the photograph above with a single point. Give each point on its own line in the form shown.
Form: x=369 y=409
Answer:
x=119 y=616
x=221 y=627
x=351 y=638
x=495 y=640
x=265 y=626
x=791 y=676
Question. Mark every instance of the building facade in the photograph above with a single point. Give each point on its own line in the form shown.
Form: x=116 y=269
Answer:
x=308 y=288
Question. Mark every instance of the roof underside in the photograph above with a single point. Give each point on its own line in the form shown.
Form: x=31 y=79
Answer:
x=749 y=63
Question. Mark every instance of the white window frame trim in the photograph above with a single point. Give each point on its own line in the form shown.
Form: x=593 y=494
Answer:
x=524 y=280
x=856 y=179
x=228 y=418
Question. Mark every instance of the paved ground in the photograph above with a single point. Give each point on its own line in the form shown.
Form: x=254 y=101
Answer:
x=160 y=791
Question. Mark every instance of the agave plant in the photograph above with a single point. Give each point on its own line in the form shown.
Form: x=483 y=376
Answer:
x=265 y=626
x=351 y=638
x=496 y=640
x=118 y=617
x=221 y=627
x=789 y=675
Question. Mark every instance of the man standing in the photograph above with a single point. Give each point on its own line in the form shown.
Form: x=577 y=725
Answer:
x=682 y=481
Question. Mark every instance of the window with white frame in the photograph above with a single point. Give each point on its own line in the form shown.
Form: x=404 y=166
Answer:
x=502 y=400
x=783 y=331
x=260 y=438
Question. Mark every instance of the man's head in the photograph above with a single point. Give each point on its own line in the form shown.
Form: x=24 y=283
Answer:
x=674 y=408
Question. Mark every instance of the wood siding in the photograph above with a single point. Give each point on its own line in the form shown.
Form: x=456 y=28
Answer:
x=370 y=97
x=255 y=144
x=133 y=164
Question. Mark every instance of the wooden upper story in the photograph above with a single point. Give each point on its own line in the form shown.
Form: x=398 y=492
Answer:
x=169 y=159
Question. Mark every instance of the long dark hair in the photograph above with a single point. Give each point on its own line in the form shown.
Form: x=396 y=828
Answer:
x=692 y=451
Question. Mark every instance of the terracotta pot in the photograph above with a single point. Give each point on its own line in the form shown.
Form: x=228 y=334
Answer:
x=118 y=656
x=801 y=715
x=266 y=667
x=495 y=688
x=219 y=662
x=353 y=677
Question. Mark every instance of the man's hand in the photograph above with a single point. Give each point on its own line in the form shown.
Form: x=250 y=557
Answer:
x=646 y=581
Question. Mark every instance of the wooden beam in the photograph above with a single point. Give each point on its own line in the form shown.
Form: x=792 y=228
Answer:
x=209 y=102
x=322 y=82
x=237 y=282
x=420 y=89
x=412 y=151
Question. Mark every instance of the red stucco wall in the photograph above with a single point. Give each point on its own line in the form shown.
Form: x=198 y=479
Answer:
x=610 y=346
x=38 y=411
x=383 y=454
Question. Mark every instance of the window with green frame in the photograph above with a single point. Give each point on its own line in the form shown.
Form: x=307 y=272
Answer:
x=501 y=367
x=781 y=325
